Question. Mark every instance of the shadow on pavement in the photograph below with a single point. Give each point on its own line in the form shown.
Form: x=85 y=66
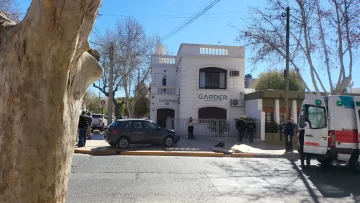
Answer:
x=332 y=181
x=273 y=178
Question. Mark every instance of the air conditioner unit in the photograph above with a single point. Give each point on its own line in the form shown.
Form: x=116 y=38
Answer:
x=236 y=103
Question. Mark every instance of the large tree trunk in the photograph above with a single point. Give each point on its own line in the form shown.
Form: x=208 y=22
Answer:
x=118 y=109
x=42 y=81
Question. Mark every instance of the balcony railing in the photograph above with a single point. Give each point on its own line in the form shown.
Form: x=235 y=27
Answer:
x=166 y=90
x=212 y=50
x=165 y=60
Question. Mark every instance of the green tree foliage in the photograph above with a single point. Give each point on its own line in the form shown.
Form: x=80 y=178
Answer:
x=275 y=80
x=125 y=111
x=92 y=102
x=142 y=107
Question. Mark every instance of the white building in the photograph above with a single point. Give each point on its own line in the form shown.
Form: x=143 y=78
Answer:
x=355 y=90
x=201 y=81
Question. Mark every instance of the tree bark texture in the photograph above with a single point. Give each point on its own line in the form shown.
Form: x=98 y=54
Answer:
x=44 y=73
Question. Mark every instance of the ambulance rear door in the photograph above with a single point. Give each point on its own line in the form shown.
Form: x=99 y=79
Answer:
x=314 y=120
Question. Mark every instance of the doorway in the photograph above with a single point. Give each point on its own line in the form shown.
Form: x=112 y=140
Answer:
x=162 y=115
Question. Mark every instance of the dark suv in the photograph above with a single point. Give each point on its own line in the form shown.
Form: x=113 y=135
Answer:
x=124 y=132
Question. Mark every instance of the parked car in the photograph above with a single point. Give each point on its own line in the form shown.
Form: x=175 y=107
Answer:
x=123 y=132
x=98 y=122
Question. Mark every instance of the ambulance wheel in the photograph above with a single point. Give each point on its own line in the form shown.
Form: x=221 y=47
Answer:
x=325 y=161
x=354 y=163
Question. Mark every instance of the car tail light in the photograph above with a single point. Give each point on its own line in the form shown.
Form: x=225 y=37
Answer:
x=113 y=131
x=332 y=139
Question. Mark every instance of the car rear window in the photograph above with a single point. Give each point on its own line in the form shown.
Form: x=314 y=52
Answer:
x=96 y=116
x=117 y=124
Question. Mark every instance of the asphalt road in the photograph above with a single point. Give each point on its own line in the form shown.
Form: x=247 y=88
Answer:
x=110 y=179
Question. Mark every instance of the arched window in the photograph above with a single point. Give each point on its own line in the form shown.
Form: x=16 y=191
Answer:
x=282 y=114
x=269 y=114
x=212 y=113
x=212 y=78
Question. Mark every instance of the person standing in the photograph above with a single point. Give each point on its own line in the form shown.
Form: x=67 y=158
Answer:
x=82 y=126
x=251 y=129
x=241 y=127
x=89 y=117
x=289 y=133
x=190 y=124
x=303 y=155
x=169 y=123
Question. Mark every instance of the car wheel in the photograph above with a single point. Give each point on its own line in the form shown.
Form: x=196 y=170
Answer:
x=102 y=128
x=123 y=143
x=168 y=141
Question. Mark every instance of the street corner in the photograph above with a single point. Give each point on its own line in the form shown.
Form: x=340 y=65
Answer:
x=96 y=150
x=172 y=153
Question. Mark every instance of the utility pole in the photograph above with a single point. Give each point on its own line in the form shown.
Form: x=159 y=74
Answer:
x=111 y=93
x=287 y=62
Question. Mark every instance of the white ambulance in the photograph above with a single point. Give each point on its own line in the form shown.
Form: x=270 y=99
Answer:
x=331 y=126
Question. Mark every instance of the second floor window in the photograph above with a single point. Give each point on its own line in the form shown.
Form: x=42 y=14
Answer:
x=164 y=81
x=212 y=78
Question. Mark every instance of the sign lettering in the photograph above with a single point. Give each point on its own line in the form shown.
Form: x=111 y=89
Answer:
x=167 y=100
x=212 y=97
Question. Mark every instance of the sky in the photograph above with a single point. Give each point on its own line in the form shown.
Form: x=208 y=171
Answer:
x=161 y=17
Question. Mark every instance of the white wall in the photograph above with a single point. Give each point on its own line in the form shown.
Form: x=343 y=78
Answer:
x=189 y=85
x=253 y=108
x=157 y=74
x=191 y=58
x=355 y=90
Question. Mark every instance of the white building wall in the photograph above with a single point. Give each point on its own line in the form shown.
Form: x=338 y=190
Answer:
x=182 y=73
x=253 y=108
x=355 y=90
x=190 y=91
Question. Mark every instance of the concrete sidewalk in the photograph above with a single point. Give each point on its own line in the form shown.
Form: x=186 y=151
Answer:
x=186 y=147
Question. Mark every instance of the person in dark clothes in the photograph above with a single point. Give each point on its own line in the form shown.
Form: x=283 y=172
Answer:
x=251 y=129
x=190 y=124
x=82 y=126
x=303 y=155
x=241 y=127
x=289 y=133
x=89 y=125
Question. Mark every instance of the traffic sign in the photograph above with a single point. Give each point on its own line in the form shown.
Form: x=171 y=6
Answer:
x=102 y=104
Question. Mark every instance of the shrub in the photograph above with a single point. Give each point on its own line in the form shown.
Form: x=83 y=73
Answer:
x=271 y=127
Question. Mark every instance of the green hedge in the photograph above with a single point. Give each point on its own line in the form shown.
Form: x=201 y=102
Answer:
x=271 y=127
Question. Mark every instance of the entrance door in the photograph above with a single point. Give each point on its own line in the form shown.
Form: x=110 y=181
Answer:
x=162 y=115
x=314 y=115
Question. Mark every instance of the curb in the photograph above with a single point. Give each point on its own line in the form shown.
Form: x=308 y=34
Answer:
x=181 y=153
x=149 y=153
x=250 y=155
x=172 y=153
x=90 y=152
x=243 y=155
